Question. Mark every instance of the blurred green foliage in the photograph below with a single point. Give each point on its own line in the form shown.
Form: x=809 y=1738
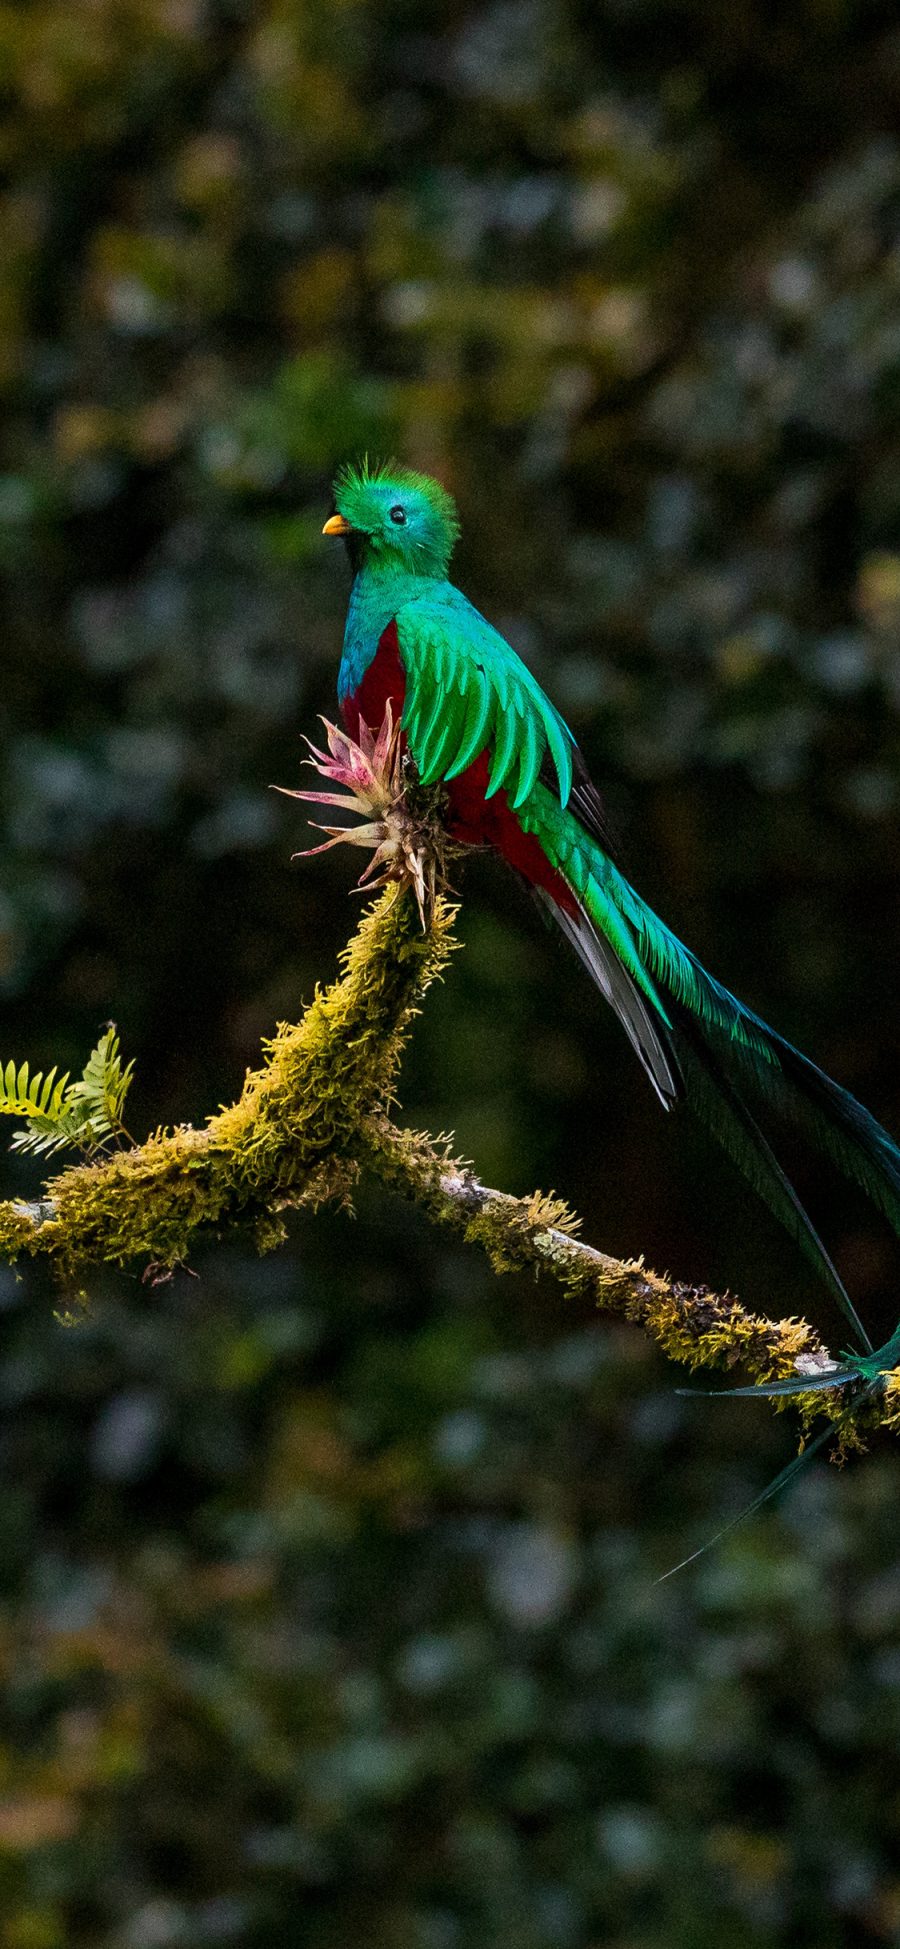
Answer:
x=327 y=1580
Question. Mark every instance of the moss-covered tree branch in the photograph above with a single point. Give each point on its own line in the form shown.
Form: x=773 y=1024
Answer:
x=291 y=1137
x=316 y=1113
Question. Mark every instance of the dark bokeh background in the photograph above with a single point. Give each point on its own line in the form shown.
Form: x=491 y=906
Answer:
x=328 y=1601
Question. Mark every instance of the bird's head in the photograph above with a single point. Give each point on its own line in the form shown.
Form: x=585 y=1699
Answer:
x=394 y=518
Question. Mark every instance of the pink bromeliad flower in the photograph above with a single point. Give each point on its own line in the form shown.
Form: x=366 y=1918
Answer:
x=374 y=778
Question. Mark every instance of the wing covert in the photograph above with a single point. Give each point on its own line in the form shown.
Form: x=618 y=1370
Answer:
x=467 y=691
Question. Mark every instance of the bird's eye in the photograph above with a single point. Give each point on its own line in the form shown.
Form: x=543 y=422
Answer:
x=398 y=515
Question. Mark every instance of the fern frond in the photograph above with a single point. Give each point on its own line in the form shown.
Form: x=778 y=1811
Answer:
x=41 y=1138
x=24 y=1095
x=104 y=1084
x=57 y=1112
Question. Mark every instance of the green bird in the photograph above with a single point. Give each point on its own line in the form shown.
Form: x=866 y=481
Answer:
x=478 y=723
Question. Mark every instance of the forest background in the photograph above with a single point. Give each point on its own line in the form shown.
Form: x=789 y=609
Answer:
x=329 y=1611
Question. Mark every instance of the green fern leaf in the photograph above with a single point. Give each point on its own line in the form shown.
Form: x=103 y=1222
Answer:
x=57 y=1112
x=104 y=1085
x=40 y=1141
x=24 y=1095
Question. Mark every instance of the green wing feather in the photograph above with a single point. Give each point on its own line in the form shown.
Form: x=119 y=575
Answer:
x=504 y=749
x=529 y=761
x=466 y=692
x=422 y=713
x=475 y=726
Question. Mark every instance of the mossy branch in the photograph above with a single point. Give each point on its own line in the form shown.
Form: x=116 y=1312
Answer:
x=316 y=1113
x=290 y=1138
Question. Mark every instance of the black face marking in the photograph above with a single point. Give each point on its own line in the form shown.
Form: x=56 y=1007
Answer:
x=354 y=546
x=398 y=515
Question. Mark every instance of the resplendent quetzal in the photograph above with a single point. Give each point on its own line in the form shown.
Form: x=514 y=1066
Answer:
x=477 y=722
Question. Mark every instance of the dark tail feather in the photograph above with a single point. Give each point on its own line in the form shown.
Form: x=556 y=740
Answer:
x=781 y=1078
x=869 y=1367
x=834 y=1121
x=685 y=1024
x=773 y=1488
x=681 y=1056
x=764 y=1063
x=713 y=1096
x=841 y=1376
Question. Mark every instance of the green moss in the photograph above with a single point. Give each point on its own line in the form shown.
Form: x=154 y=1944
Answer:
x=18 y=1231
x=149 y=1202
x=315 y=1111
x=290 y=1137
x=338 y=1066
x=690 y=1324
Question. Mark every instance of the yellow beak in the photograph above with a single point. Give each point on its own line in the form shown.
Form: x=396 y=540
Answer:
x=336 y=525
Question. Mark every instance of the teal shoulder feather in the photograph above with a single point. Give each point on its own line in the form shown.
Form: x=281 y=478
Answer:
x=467 y=691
